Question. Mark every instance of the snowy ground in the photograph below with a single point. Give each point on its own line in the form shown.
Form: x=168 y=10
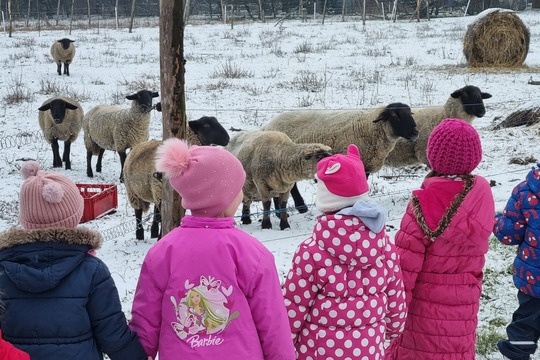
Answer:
x=247 y=74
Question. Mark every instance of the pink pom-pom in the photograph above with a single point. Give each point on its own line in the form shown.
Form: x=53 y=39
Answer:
x=29 y=168
x=52 y=192
x=173 y=157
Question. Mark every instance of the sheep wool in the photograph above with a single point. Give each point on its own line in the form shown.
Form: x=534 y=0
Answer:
x=454 y=148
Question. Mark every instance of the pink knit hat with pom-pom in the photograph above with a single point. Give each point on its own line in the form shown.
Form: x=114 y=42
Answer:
x=208 y=178
x=48 y=199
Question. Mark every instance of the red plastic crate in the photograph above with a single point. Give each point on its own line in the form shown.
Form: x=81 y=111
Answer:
x=99 y=199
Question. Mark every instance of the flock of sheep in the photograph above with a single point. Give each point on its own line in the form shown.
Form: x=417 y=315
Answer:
x=282 y=152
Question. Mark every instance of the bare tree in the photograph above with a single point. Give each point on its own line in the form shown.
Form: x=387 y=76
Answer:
x=173 y=101
x=133 y=3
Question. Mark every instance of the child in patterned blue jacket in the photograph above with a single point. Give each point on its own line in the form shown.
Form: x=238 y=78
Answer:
x=519 y=224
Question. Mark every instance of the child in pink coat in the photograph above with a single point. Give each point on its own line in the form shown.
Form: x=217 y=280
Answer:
x=442 y=240
x=208 y=290
x=344 y=293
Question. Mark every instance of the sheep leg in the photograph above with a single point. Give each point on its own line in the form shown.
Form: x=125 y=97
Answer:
x=299 y=203
x=276 y=204
x=59 y=68
x=57 y=161
x=283 y=223
x=156 y=220
x=266 y=223
x=245 y=213
x=122 y=161
x=65 y=155
x=66 y=68
x=89 y=172
x=99 y=158
x=139 y=230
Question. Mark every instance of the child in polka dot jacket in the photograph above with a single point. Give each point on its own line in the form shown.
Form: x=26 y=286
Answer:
x=344 y=293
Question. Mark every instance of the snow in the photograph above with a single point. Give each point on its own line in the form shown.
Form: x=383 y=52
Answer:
x=290 y=65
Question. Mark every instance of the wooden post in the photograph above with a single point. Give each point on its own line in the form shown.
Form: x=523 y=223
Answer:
x=324 y=12
x=173 y=101
x=133 y=4
x=10 y=18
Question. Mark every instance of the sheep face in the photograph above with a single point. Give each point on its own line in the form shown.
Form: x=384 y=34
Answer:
x=65 y=42
x=58 y=109
x=471 y=97
x=401 y=121
x=209 y=131
x=144 y=99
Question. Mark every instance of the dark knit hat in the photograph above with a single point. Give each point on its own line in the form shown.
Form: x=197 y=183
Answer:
x=454 y=148
x=48 y=199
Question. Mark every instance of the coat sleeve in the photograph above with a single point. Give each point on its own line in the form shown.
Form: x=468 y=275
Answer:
x=396 y=312
x=268 y=311
x=146 y=308
x=109 y=323
x=510 y=226
x=300 y=290
x=411 y=247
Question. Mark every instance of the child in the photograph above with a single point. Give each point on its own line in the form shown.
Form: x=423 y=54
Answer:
x=61 y=302
x=7 y=350
x=344 y=293
x=442 y=240
x=519 y=224
x=208 y=290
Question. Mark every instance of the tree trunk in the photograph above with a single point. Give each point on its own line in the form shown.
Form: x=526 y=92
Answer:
x=343 y=10
x=173 y=101
x=133 y=3
x=10 y=18
x=57 y=11
x=71 y=17
x=88 y=2
x=261 y=11
x=186 y=11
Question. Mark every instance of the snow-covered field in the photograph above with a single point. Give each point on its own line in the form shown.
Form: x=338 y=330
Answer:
x=246 y=74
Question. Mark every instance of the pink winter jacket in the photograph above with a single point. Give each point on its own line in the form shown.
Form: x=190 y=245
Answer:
x=443 y=274
x=208 y=290
x=344 y=292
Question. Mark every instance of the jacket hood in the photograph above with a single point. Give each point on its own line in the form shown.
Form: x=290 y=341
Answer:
x=348 y=239
x=533 y=179
x=37 y=260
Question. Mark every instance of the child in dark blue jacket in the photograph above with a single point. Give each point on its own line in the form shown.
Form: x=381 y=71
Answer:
x=61 y=302
x=519 y=224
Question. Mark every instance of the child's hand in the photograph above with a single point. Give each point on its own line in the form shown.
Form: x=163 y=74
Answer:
x=150 y=358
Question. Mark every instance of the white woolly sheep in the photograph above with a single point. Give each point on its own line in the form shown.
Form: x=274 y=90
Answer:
x=63 y=51
x=273 y=163
x=374 y=132
x=108 y=127
x=465 y=103
x=60 y=119
x=143 y=182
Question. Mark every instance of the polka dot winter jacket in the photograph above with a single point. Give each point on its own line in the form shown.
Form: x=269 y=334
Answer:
x=442 y=241
x=519 y=224
x=344 y=293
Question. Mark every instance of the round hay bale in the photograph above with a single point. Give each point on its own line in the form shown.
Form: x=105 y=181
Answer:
x=497 y=38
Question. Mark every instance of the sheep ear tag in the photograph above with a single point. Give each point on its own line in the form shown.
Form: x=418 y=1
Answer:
x=333 y=169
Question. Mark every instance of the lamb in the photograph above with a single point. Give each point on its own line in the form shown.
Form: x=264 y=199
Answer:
x=63 y=51
x=465 y=103
x=273 y=163
x=374 y=132
x=108 y=127
x=143 y=182
x=60 y=118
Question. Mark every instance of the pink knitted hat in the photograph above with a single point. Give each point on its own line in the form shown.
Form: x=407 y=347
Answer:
x=48 y=199
x=208 y=178
x=454 y=148
x=341 y=181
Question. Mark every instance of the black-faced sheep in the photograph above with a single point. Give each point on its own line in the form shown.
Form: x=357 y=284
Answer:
x=273 y=163
x=465 y=103
x=108 y=127
x=63 y=51
x=60 y=119
x=143 y=182
x=374 y=132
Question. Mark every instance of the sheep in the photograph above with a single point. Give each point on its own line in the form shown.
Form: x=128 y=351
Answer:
x=143 y=182
x=374 y=132
x=465 y=103
x=108 y=127
x=63 y=51
x=273 y=163
x=60 y=118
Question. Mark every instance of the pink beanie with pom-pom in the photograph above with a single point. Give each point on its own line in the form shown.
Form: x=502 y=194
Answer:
x=208 y=178
x=48 y=199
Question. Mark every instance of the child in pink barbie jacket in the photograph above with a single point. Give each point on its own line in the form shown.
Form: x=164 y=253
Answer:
x=344 y=293
x=208 y=290
x=442 y=240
